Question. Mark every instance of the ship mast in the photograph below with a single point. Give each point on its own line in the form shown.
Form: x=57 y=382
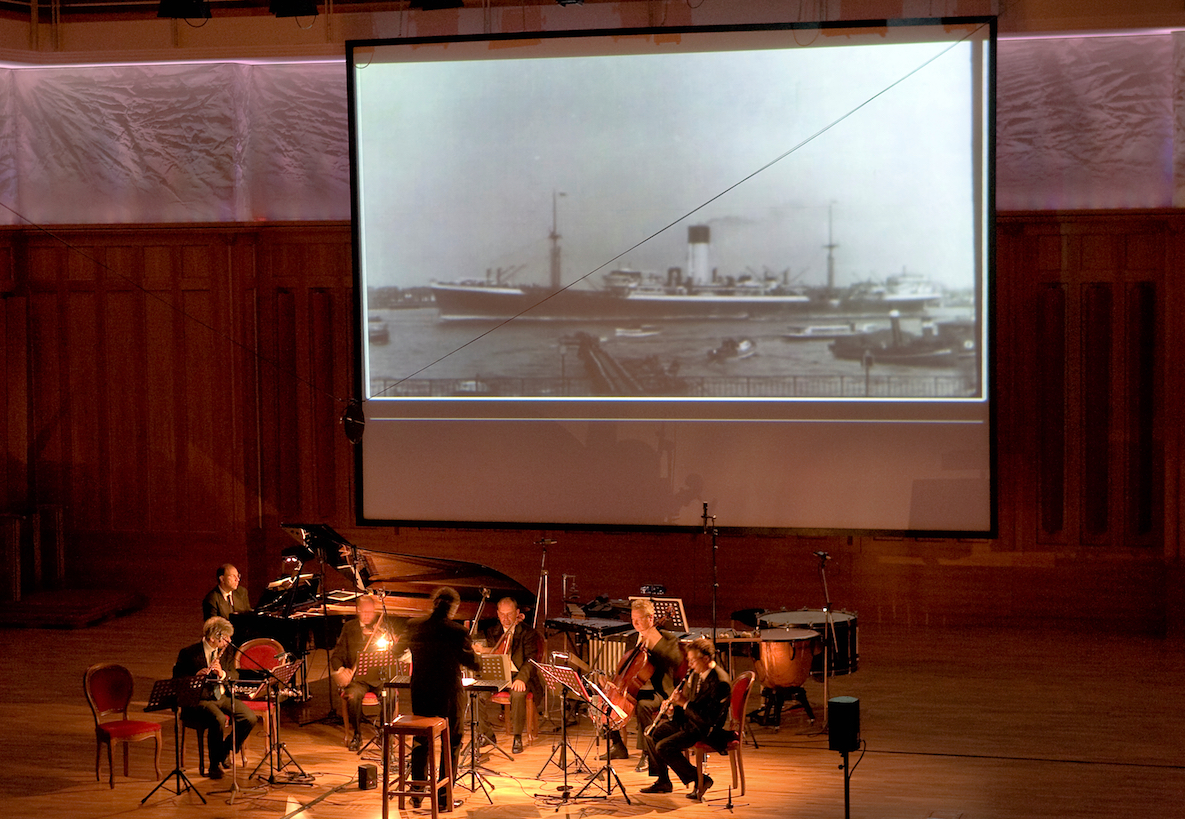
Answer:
x=556 y=277
x=831 y=246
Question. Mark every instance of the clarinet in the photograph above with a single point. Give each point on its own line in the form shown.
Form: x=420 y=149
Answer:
x=666 y=704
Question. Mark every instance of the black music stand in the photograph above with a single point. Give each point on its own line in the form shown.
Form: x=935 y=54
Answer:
x=563 y=679
x=175 y=693
x=280 y=676
x=494 y=674
x=669 y=611
x=369 y=660
x=600 y=701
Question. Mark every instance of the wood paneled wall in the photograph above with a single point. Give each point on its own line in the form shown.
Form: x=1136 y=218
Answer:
x=178 y=390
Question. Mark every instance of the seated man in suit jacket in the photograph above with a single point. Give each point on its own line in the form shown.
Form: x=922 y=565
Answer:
x=209 y=658
x=227 y=597
x=511 y=635
x=696 y=712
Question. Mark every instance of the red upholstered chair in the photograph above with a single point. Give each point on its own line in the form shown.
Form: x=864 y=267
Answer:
x=736 y=724
x=532 y=714
x=260 y=653
x=108 y=690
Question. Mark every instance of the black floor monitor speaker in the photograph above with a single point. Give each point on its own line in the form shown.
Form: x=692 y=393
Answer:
x=368 y=777
x=843 y=724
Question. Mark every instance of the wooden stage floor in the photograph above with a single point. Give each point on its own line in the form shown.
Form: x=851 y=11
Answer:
x=1009 y=725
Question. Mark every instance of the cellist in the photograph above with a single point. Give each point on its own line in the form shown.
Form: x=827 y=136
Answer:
x=666 y=658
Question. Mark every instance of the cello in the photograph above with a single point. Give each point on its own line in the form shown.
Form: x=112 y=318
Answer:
x=633 y=672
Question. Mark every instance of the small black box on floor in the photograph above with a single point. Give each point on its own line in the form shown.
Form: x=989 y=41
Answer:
x=368 y=777
x=843 y=723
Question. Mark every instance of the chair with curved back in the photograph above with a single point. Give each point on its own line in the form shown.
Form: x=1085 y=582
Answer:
x=260 y=654
x=735 y=724
x=108 y=690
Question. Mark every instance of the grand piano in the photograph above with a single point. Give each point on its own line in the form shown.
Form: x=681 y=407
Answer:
x=304 y=615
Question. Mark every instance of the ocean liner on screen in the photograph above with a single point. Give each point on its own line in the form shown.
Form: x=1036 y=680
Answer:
x=697 y=293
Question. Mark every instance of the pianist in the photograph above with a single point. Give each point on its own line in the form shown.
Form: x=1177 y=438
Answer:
x=368 y=632
x=209 y=658
x=228 y=597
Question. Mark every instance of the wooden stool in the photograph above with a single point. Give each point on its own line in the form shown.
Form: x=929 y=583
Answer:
x=435 y=731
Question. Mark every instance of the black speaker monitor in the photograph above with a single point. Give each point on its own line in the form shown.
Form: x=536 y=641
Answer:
x=843 y=724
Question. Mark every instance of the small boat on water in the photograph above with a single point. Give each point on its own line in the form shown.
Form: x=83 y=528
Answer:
x=644 y=331
x=377 y=331
x=733 y=349
x=826 y=332
x=942 y=344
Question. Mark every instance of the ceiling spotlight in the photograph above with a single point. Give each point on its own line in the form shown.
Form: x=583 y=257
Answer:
x=293 y=8
x=570 y=2
x=184 y=9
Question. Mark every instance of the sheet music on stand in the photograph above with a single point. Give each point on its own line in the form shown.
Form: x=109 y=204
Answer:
x=495 y=668
x=559 y=677
x=375 y=659
x=668 y=609
x=183 y=692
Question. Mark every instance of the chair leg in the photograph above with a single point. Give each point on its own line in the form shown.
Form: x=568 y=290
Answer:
x=110 y=765
x=156 y=761
x=98 y=753
x=738 y=771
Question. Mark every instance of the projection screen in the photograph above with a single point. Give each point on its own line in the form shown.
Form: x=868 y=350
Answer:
x=618 y=279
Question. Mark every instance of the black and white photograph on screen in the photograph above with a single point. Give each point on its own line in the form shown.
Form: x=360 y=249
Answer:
x=782 y=222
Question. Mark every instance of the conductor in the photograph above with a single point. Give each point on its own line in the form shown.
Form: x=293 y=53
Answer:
x=439 y=648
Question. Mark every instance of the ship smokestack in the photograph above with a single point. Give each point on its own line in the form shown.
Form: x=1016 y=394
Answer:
x=698 y=243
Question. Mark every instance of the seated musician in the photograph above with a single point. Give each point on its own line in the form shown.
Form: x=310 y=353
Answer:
x=367 y=632
x=696 y=712
x=206 y=659
x=511 y=635
x=665 y=657
x=227 y=597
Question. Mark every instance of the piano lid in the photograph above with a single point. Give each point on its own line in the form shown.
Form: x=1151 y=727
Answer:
x=407 y=581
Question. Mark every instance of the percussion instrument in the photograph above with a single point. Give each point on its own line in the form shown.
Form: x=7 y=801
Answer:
x=844 y=648
x=785 y=656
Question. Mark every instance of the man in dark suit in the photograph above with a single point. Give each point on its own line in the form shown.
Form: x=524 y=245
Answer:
x=439 y=648
x=698 y=709
x=227 y=597
x=665 y=657
x=368 y=631
x=511 y=635
x=206 y=659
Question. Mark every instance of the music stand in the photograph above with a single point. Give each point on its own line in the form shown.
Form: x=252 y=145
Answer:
x=281 y=675
x=604 y=705
x=370 y=660
x=669 y=611
x=494 y=673
x=175 y=693
x=563 y=679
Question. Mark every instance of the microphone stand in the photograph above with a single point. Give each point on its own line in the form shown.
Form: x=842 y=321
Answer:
x=541 y=607
x=715 y=579
x=828 y=636
x=233 y=790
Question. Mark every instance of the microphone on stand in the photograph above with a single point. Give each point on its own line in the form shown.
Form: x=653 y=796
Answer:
x=822 y=555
